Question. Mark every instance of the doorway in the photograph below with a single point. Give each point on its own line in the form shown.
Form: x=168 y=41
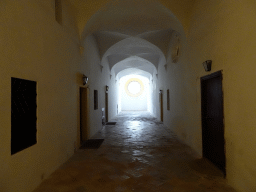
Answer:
x=84 y=114
x=161 y=105
x=106 y=106
x=212 y=120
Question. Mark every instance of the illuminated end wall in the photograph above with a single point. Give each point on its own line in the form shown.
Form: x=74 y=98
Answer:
x=134 y=93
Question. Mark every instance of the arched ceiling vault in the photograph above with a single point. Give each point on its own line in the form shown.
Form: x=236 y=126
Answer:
x=135 y=48
x=84 y=10
x=159 y=38
x=132 y=71
x=136 y=64
x=128 y=29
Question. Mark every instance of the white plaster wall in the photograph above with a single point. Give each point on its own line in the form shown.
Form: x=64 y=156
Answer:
x=114 y=107
x=180 y=78
x=111 y=80
x=155 y=97
x=150 y=96
x=90 y=66
x=99 y=77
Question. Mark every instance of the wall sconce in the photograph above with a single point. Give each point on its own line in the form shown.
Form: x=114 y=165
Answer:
x=207 y=65
x=107 y=87
x=85 y=80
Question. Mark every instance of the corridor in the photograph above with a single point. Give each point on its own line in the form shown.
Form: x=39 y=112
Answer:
x=138 y=154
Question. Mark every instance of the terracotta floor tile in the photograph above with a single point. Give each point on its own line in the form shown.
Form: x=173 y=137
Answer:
x=138 y=154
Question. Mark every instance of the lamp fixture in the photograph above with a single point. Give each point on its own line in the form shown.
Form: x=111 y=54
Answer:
x=85 y=80
x=107 y=87
x=207 y=65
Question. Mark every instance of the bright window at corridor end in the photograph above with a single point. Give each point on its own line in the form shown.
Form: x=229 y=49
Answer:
x=134 y=87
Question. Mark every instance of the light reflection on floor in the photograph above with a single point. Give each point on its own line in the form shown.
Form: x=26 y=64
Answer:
x=138 y=154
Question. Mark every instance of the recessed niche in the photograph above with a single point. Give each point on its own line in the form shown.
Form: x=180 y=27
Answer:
x=95 y=99
x=23 y=114
x=58 y=11
x=168 y=100
x=175 y=50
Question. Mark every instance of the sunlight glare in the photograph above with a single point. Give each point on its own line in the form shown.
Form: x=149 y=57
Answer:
x=134 y=87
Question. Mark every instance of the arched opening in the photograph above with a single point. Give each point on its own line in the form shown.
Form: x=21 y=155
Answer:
x=136 y=38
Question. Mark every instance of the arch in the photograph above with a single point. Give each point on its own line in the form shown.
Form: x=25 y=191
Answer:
x=130 y=32
x=134 y=48
x=133 y=71
x=135 y=63
x=132 y=17
x=90 y=9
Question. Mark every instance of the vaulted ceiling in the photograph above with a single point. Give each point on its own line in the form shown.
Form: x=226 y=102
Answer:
x=133 y=34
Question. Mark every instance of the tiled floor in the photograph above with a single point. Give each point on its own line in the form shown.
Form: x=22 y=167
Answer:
x=138 y=154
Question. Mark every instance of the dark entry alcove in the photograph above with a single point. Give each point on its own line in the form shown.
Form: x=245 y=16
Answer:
x=23 y=114
x=212 y=120
x=95 y=99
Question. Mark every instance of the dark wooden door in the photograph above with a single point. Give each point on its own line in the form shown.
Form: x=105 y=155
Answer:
x=84 y=114
x=161 y=105
x=106 y=106
x=212 y=120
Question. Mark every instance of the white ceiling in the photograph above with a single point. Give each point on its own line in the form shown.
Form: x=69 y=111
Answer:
x=133 y=34
x=132 y=71
x=132 y=17
x=134 y=63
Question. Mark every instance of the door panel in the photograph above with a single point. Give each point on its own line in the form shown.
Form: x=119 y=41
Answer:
x=212 y=119
x=106 y=106
x=161 y=105
x=84 y=114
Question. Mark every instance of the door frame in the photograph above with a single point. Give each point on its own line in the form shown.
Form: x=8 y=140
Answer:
x=161 y=105
x=84 y=130
x=106 y=106
x=202 y=79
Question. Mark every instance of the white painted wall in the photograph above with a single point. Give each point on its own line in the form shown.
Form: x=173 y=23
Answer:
x=155 y=109
x=150 y=96
x=184 y=115
x=99 y=77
